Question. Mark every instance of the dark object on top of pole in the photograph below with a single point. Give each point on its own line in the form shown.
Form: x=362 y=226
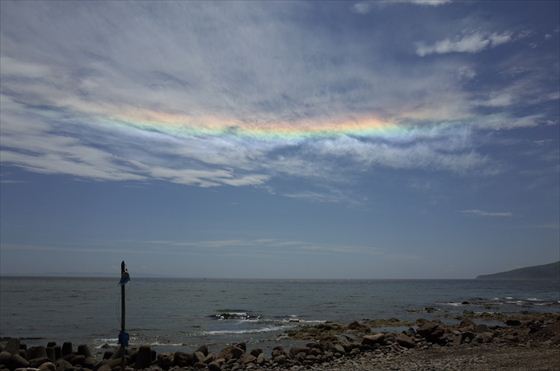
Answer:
x=123 y=335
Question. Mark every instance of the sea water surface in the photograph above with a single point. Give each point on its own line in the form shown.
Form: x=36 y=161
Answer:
x=184 y=313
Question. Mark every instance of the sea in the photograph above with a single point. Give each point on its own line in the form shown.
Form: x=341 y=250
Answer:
x=181 y=314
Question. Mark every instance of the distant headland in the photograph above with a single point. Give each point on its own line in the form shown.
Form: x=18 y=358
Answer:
x=537 y=272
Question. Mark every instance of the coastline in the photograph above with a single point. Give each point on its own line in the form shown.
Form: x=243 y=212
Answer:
x=522 y=340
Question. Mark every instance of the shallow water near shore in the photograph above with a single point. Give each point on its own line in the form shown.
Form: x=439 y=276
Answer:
x=172 y=314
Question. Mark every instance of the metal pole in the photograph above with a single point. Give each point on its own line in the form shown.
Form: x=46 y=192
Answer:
x=123 y=316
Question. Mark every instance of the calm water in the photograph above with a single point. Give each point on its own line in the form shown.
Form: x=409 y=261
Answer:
x=181 y=313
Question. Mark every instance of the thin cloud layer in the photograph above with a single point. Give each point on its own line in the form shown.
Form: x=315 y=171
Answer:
x=239 y=94
x=483 y=213
x=469 y=43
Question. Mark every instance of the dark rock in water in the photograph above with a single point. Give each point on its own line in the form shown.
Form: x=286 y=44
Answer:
x=84 y=350
x=203 y=349
x=143 y=357
x=36 y=352
x=214 y=367
x=465 y=302
x=181 y=359
x=47 y=366
x=67 y=348
x=63 y=365
x=51 y=344
x=405 y=341
x=17 y=361
x=108 y=354
x=373 y=339
x=513 y=322
x=12 y=346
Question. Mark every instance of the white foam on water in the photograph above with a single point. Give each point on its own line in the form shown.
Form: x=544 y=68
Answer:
x=248 y=331
x=157 y=343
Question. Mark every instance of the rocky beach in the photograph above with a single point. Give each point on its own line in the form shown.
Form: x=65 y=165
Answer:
x=513 y=341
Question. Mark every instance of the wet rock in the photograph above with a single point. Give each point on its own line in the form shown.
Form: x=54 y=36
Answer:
x=357 y=326
x=467 y=337
x=369 y=340
x=511 y=338
x=66 y=349
x=5 y=358
x=84 y=350
x=431 y=331
x=103 y=367
x=12 y=346
x=278 y=351
x=51 y=354
x=199 y=357
x=203 y=349
x=295 y=350
x=405 y=341
x=261 y=359
x=182 y=359
x=242 y=346
x=255 y=352
x=211 y=357
x=213 y=366
x=165 y=360
x=513 y=322
x=108 y=354
x=36 y=362
x=77 y=359
x=248 y=358
x=280 y=359
x=143 y=357
x=338 y=348
x=36 y=352
x=231 y=352
x=484 y=337
x=17 y=361
x=47 y=366
x=63 y=365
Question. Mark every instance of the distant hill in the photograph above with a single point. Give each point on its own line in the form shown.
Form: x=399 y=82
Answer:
x=538 y=272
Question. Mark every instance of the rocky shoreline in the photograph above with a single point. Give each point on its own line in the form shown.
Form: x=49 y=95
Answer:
x=331 y=346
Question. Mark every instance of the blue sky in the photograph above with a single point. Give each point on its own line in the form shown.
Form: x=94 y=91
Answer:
x=387 y=139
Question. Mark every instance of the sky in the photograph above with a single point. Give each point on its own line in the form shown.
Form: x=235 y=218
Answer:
x=386 y=139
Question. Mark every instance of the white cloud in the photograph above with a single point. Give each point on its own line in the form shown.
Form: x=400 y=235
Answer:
x=468 y=43
x=364 y=7
x=477 y=212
